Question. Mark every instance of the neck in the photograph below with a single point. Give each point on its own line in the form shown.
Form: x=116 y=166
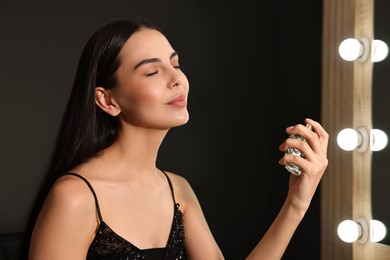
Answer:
x=135 y=150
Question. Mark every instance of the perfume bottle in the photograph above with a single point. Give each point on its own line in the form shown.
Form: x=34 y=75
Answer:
x=291 y=167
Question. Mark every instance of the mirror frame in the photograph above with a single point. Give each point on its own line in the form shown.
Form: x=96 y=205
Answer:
x=346 y=102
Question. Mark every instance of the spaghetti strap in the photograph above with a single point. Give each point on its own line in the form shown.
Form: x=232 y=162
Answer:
x=170 y=185
x=93 y=192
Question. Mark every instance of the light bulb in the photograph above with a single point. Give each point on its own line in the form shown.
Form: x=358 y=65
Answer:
x=379 y=50
x=348 y=139
x=349 y=231
x=377 y=230
x=350 y=49
x=378 y=139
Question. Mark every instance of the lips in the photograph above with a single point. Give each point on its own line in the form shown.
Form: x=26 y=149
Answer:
x=178 y=101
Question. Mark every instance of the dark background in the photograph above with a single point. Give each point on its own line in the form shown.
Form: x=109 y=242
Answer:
x=254 y=69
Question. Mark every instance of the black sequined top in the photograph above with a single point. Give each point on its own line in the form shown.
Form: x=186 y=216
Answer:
x=107 y=245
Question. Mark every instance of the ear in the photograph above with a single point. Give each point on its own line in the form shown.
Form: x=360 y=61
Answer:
x=106 y=102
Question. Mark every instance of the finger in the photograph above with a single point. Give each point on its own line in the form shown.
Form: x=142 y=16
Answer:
x=296 y=144
x=322 y=135
x=301 y=148
x=317 y=128
x=299 y=129
x=294 y=159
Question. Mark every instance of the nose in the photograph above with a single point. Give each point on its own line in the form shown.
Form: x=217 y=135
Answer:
x=176 y=79
x=175 y=84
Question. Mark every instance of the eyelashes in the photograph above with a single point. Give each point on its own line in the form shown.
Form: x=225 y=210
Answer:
x=151 y=74
x=156 y=72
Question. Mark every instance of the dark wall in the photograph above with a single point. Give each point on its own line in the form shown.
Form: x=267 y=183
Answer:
x=254 y=69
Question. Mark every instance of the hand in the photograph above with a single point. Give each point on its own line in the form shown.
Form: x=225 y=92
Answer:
x=303 y=187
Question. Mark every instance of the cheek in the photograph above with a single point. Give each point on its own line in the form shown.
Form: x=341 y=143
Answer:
x=148 y=96
x=136 y=102
x=135 y=92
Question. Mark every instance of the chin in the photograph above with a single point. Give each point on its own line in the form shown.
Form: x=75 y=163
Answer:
x=181 y=121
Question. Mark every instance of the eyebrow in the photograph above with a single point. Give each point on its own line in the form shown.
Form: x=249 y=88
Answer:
x=151 y=60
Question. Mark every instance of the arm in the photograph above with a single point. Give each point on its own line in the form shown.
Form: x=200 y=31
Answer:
x=66 y=224
x=301 y=189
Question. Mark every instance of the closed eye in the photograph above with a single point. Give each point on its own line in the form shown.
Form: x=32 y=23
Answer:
x=152 y=73
x=156 y=72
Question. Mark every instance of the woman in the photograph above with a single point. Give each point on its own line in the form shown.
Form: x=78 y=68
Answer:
x=104 y=197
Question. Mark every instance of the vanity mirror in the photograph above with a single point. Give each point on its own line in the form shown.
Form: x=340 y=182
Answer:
x=347 y=91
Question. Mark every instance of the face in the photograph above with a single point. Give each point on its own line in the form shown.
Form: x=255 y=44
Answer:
x=152 y=90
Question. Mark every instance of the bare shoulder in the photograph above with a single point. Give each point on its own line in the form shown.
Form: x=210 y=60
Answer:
x=182 y=189
x=179 y=182
x=69 y=199
x=68 y=215
x=72 y=192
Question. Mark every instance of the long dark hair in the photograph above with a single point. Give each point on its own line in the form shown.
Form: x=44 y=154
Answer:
x=85 y=129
